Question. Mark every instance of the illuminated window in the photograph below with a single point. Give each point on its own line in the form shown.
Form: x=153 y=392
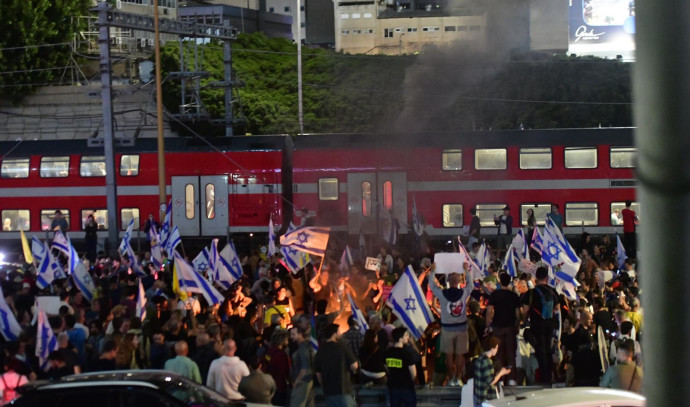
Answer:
x=540 y=211
x=210 y=201
x=54 y=167
x=581 y=214
x=580 y=157
x=535 y=158
x=490 y=159
x=15 y=168
x=126 y=215
x=486 y=213
x=93 y=166
x=328 y=189
x=15 y=219
x=452 y=215
x=189 y=197
x=623 y=157
x=388 y=195
x=99 y=215
x=617 y=212
x=47 y=216
x=366 y=199
x=452 y=160
x=129 y=165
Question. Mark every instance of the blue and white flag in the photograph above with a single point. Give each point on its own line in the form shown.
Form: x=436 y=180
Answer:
x=126 y=237
x=9 y=327
x=141 y=302
x=408 y=303
x=49 y=269
x=173 y=240
x=520 y=245
x=194 y=282
x=509 y=262
x=220 y=267
x=293 y=259
x=156 y=253
x=46 y=341
x=271 y=239
x=309 y=239
x=61 y=243
x=358 y=315
x=38 y=249
x=622 y=255
x=83 y=281
x=476 y=272
x=346 y=261
x=231 y=261
x=416 y=221
x=202 y=260
x=484 y=259
x=134 y=263
x=389 y=226
x=537 y=241
x=166 y=227
x=558 y=253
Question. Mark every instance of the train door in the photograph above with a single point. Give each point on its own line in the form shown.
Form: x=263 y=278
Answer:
x=200 y=205
x=369 y=194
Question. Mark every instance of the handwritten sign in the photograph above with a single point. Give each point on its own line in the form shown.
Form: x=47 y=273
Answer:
x=447 y=263
x=372 y=264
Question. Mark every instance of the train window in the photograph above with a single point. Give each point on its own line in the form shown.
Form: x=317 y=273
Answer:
x=15 y=219
x=126 y=215
x=452 y=215
x=99 y=215
x=54 y=167
x=535 y=158
x=366 y=199
x=581 y=214
x=388 y=195
x=328 y=189
x=210 y=201
x=47 y=216
x=189 y=199
x=540 y=212
x=92 y=166
x=129 y=165
x=617 y=212
x=490 y=159
x=623 y=157
x=15 y=168
x=486 y=213
x=580 y=157
x=452 y=160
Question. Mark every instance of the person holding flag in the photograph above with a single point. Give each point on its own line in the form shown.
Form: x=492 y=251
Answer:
x=454 y=338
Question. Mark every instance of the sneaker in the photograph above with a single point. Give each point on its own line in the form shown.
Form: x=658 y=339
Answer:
x=453 y=382
x=512 y=382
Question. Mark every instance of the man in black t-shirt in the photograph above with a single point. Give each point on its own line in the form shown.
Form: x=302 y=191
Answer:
x=401 y=370
x=332 y=364
x=502 y=318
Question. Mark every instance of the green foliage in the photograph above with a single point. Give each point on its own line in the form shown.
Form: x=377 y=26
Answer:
x=31 y=23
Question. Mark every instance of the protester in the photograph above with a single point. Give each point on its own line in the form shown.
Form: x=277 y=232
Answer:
x=401 y=371
x=624 y=375
x=333 y=364
x=225 y=373
x=483 y=371
x=183 y=365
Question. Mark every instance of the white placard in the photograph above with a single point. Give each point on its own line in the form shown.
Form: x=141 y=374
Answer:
x=49 y=304
x=447 y=263
x=373 y=264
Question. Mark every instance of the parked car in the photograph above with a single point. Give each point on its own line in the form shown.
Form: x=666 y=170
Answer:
x=570 y=397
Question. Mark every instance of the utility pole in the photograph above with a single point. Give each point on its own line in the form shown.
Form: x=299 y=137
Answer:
x=300 y=109
x=162 y=196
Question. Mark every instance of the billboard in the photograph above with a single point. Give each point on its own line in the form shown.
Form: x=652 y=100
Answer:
x=603 y=28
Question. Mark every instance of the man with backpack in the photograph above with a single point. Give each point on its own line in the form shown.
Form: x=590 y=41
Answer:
x=539 y=304
x=9 y=381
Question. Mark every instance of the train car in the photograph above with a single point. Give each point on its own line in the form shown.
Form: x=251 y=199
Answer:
x=355 y=182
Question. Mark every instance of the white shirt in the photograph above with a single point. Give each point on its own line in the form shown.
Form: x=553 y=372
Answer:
x=225 y=374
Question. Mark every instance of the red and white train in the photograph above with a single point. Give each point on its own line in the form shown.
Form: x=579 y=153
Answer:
x=345 y=181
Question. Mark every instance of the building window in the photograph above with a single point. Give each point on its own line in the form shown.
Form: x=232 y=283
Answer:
x=431 y=29
x=356 y=31
x=301 y=8
x=129 y=165
x=535 y=158
x=581 y=214
x=287 y=9
x=328 y=189
x=623 y=157
x=271 y=9
x=126 y=216
x=303 y=24
x=580 y=157
x=617 y=212
x=92 y=166
x=54 y=167
x=452 y=215
x=475 y=28
x=367 y=15
x=487 y=212
x=189 y=198
x=15 y=168
x=366 y=199
x=15 y=219
x=490 y=159
x=345 y=32
x=369 y=31
x=99 y=215
x=411 y=29
x=356 y=15
x=462 y=28
x=344 y=16
x=388 y=33
x=540 y=211
x=452 y=160
x=450 y=28
x=47 y=216
x=388 y=195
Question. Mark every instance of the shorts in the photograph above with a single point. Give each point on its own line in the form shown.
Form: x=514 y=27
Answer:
x=454 y=342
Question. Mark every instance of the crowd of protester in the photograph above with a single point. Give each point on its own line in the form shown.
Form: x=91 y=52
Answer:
x=279 y=335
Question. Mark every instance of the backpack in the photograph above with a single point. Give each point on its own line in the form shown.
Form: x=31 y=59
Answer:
x=546 y=310
x=9 y=394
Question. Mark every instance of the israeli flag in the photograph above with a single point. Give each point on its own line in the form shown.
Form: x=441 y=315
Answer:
x=537 y=241
x=622 y=255
x=141 y=303
x=416 y=221
x=346 y=261
x=358 y=315
x=202 y=260
x=558 y=253
x=192 y=281
x=156 y=253
x=46 y=341
x=82 y=279
x=313 y=240
x=408 y=303
x=484 y=258
x=38 y=249
x=220 y=267
x=49 y=269
x=509 y=262
x=520 y=245
x=389 y=226
x=126 y=238
x=231 y=261
x=271 y=239
x=134 y=263
x=173 y=240
x=61 y=243
x=475 y=271
x=166 y=227
x=9 y=327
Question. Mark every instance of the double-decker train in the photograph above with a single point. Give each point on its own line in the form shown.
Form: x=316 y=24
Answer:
x=350 y=182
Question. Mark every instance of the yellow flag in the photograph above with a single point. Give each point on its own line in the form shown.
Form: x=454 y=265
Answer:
x=176 y=285
x=25 y=247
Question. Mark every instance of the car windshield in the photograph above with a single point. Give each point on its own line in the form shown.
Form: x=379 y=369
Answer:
x=192 y=394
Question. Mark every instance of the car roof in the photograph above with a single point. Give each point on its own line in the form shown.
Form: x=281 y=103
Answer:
x=144 y=378
x=570 y=397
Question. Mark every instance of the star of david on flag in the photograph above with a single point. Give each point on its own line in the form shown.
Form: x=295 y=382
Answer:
x=408 y=303
x=313 y=240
